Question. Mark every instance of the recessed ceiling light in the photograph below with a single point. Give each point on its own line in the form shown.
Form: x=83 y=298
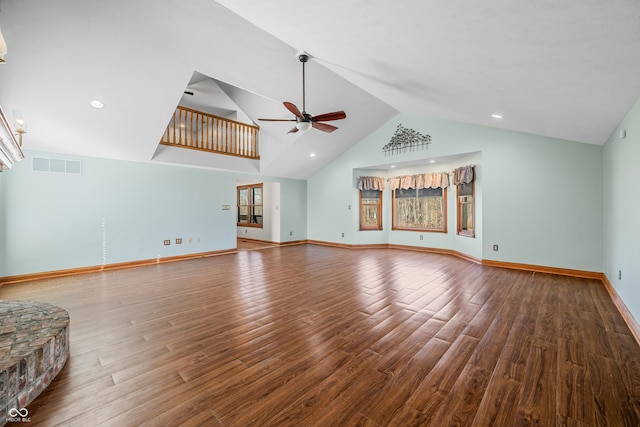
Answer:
x=312 y=155
x=432 y=161
x=96 y=104
x=496 y=116
x=393 y=166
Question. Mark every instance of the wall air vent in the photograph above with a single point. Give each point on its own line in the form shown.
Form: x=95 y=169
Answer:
x=50 y=165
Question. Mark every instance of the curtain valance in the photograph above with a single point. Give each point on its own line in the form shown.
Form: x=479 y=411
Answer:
x=463 y=175
x=370 y=183
x=424 y=180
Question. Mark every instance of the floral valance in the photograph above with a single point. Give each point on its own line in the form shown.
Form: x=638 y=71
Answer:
x=424 y=180
x=370 y=183
x=463 y=175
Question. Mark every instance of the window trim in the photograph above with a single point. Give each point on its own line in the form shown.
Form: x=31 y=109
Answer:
x=379 y=225
x=426 y=230
x=459 y=229
x=250 y=206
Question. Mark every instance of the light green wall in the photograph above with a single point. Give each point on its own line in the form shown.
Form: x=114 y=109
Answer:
x=466 y=245
x=544 y=201
x=621 y=210
x=117 y=211
x=3 y=216
x=540 y=198
x=286 y=200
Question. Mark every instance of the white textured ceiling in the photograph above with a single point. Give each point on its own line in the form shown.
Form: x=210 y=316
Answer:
x=565 y=69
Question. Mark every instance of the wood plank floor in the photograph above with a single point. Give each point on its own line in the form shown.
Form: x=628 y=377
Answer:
x=252 y=245
x=317 y=336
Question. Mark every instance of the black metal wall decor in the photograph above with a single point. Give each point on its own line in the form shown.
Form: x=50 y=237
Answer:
x=405 y=139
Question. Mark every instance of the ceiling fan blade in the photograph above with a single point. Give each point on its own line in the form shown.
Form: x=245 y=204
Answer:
x=327 y=117
x=289 y=106
x=323 y=127
x=293 y=130
x=278 y=120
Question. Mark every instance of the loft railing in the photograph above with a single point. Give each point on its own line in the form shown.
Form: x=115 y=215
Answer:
x=201 y=131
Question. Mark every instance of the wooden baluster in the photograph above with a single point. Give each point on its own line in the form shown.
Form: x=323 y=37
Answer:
x=196 y=138
x=202 y=131
x=181 y=126
x=219 y=135
x=205 y=132
x=249 y=139
x=190 y=139
x=240 y=139
x=232 y=136
x=201 y=123
x=192 y=122
x=175 y=119
x=214 y=131
x=173 y=131
x=178 y=121
x=216 y=136
x=206 y=144
x=225 y=143
x=185 y=128
x=255 y=143
x=245 y=150
x=183 y=118
x=190 y=130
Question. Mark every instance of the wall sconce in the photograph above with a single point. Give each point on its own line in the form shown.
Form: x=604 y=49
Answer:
x=10 y=151
x=3 y=47
x=19 y=125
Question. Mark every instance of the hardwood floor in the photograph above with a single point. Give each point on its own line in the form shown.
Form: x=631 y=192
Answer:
x=252 y=245
x=317 y=336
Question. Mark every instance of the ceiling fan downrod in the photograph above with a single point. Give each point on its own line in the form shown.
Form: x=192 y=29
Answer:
x=303 y=58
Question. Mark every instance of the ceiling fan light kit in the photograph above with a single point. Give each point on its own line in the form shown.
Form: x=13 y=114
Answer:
x=303 y=126
x=305 y=121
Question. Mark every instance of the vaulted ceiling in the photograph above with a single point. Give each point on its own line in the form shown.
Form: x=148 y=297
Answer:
x=557 y=68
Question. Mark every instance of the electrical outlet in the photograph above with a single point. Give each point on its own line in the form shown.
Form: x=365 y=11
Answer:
x=178 y=241
x=495 y=248
x=342 y=234
x=291 y=233
x=619 y=274
x=167 y=242
x=421 y=237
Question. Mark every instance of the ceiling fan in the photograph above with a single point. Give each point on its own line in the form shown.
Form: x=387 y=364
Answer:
x=304 y=121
